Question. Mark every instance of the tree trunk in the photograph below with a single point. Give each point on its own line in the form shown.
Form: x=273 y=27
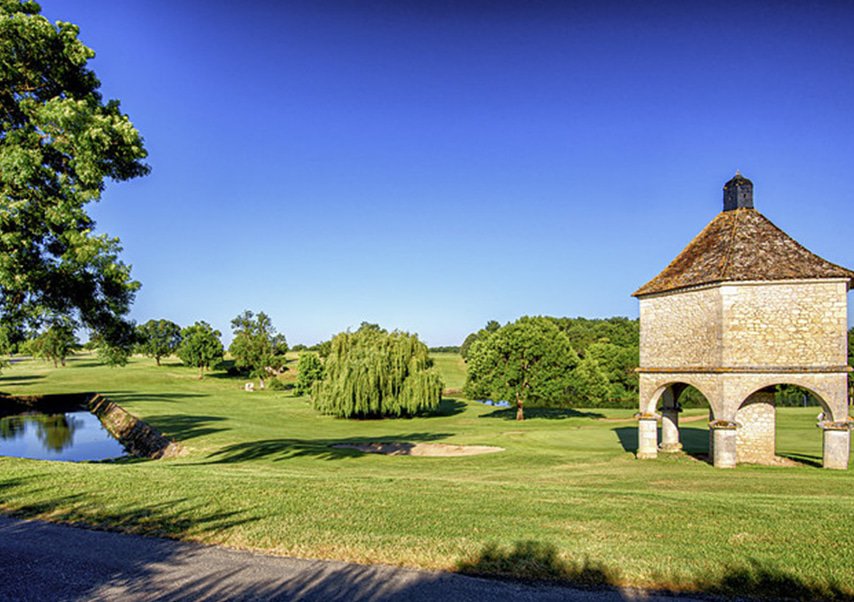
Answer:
x=260 y=382
x=55 y=364
x=157 y=359
x=201 y=372
x=520 y=413
x=62 y=361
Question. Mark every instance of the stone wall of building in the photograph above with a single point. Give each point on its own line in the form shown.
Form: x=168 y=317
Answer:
x=681 y=329
x=756 y=434
x=793 y=324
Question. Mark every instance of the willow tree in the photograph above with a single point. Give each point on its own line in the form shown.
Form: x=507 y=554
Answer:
x=373 y=373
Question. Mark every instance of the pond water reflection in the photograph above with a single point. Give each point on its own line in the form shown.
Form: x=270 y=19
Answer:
x=70 y=436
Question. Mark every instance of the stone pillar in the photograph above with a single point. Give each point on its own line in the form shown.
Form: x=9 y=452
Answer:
x=836 y=445
x=724 y=436
x=647 y=438
x=670 y=430
x=757 y=437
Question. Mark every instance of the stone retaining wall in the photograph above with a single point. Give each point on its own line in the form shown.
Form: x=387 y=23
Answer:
x=139 y=438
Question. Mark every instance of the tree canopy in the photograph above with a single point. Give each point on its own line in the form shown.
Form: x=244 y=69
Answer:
x=373 y=373
x=309 y=371
x=158 y=339
x=484 y=332
x=529 y=360
x=60 y=141
x=200 y=347
x=55 y=343
x=611 y=346
x=256 y=346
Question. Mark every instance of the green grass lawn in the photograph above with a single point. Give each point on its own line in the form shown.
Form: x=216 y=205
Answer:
x=566 y=499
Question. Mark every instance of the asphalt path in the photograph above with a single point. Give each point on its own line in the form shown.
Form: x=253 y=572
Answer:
x=44 y=561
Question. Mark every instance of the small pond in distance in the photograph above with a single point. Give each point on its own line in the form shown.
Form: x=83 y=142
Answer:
x=74 y=436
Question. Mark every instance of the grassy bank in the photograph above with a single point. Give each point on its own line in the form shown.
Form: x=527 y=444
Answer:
x=565 y=500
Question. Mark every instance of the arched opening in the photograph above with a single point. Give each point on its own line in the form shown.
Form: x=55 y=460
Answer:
x=685 y=414
x=777 y=425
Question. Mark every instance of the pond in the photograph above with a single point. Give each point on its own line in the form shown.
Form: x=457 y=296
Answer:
x=74 y=436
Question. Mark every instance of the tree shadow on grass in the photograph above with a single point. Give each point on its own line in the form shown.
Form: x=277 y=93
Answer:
x=176 y=517
x=543 y=413
x=287 y=449
x=446 y=407
x=21 y=379
x=539 y=562
x=182 y=427
x=121 y=397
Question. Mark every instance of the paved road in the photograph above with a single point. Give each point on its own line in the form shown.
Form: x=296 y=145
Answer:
x=43 y=561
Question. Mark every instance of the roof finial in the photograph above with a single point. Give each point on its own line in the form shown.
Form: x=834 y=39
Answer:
x=737 y=173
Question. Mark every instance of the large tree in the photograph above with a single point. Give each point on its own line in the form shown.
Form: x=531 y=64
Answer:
x=529 y=360
x=60 y=141
x=373 y=373
x=257 y=347
x=158 y=338
x=200 y=347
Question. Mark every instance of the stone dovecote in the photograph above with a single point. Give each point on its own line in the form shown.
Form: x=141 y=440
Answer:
x=741 y=309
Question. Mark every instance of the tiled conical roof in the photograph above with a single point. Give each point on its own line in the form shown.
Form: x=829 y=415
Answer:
x=738 y=245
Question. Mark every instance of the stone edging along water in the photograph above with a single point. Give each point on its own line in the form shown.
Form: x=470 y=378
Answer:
x=138 y=438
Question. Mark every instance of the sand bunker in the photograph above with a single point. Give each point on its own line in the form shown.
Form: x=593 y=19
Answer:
x=442 y=450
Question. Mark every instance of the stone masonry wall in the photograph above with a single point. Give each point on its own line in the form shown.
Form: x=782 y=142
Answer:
x=784 y=324
x=756 y=434
x=681 y=329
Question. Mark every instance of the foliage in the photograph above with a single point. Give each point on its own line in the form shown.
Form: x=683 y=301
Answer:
x=274 y=384
x=526 y=361
x=323 y=349
x=256 y=346
x=618 y=366
x=55 y=343
x=470 y=340
x=445 y=349
x=589 y=386
x=59 y=143
x=309 y=371
x=158 y=338
x=583 y=332
x=373 y=373
x=612 y=342
x=200 y=347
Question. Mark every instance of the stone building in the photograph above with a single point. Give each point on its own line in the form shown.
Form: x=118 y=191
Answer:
x=743 y=308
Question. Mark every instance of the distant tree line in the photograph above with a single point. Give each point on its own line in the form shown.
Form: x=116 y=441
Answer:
x=555 y=362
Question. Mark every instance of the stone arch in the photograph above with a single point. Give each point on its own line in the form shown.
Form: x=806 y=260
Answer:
x=828 y=411
x=649 y=406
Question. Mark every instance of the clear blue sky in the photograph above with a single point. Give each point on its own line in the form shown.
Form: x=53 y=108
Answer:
x=433 y=165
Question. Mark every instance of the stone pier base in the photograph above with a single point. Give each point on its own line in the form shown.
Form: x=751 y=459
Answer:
x=724 y=453
x=647 y=438
x=836 y=447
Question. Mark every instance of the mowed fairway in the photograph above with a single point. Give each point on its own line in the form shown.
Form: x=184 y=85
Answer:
x=566 y=499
